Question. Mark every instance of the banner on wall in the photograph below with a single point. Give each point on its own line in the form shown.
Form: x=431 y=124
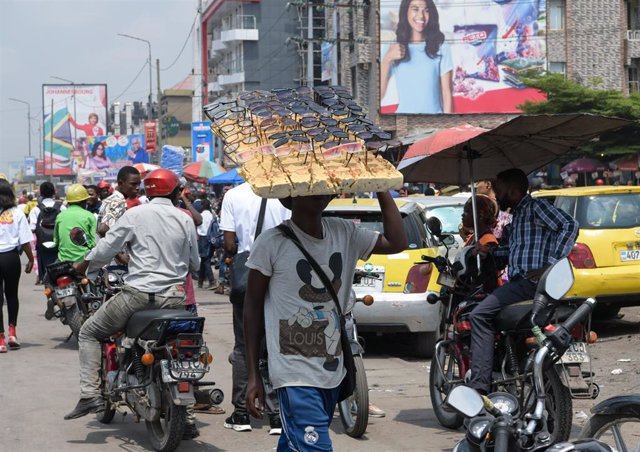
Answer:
x=29 y=167
x=79 y=113
x=150 y=136
x=327 y=61
x=463 y=56
x=105 y=156
x=202 y=141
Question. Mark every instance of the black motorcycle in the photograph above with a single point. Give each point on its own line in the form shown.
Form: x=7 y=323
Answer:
x=154 y=370
x=498 y=422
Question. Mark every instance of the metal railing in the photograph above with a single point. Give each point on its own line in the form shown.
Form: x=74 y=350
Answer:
x=241 y=21
x=230 y=67
x=633 y=35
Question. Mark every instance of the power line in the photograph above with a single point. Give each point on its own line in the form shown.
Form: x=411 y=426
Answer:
x=132 y=82
x=183 y=45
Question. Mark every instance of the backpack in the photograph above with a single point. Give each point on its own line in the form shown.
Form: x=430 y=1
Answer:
x=46 y=222
x=214 y=234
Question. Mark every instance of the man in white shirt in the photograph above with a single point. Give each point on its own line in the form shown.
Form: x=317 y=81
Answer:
x=204 y=247
x=239 y=221
x=157 y=273
x=44 y=232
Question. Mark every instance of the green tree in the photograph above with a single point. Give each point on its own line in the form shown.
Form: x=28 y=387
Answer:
x=567 y=96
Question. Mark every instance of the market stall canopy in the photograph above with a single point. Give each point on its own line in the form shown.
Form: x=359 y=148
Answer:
x=144 y=168
x=442 y=139
x=527 y=142
x=202 y=171
x=230 y=177
x=584 y=165
x=628 y=163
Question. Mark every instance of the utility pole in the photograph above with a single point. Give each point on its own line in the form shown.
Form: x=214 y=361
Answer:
x=149 y=111
x=310 y=44
x=75 y=116
x=198 y=67
x=28 y=119
x=51 y=144
x=160 y=113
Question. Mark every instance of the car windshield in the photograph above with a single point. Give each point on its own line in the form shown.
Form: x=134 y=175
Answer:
x=614 y=211
x=373 y=222
x=449 y=216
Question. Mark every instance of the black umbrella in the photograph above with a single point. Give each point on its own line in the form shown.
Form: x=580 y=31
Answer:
x=527 y=142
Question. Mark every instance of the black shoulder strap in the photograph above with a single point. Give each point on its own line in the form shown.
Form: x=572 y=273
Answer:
x=263 y=208
x=286 y=230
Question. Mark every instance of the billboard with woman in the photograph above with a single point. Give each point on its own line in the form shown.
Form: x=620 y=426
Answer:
x=459 y=56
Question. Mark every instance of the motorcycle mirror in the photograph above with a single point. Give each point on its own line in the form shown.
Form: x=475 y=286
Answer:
x=465 y=400
x=448 y=240
x=557 y=280
x=78 y=237
x=434 y=226
x=49 y=245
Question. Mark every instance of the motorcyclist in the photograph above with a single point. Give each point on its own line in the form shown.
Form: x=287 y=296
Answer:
x=70 y=222
x=163 y=247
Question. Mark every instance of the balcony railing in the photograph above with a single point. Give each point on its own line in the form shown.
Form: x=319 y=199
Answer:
x=240 y=28
x=633 y=35
x=242 y=22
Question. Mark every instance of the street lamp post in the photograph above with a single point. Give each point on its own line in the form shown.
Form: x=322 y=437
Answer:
x=28 y=120
x=75 y=116
x=149 y=114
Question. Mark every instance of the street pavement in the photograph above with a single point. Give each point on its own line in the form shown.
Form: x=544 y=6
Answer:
x=39 y=385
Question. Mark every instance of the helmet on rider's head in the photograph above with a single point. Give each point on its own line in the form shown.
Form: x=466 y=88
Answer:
x=160 y=182
x=77 y=193
x=104 y=185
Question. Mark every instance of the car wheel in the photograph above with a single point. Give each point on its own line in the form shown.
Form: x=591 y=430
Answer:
x=424 y=344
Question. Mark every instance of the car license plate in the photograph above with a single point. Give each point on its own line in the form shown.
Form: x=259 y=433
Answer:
x=630 y=255
x=446 y=280
x=69 y=291
x=577 y=353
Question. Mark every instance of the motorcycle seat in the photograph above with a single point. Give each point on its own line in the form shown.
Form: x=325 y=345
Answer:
x=515 y=317
x=141 y=319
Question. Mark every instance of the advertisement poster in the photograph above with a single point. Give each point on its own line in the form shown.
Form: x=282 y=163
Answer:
x=459 y=56
x=202 y=141
x=79 y=113
x=150 y=136
x=29 y=167
x=327 y=50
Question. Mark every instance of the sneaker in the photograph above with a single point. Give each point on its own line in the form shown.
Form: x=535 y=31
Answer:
x=374 y=411
x=3 y=344
x=190 y=432
x=86 y=406
x=238 y=422
x=12 y=339
x=276 y=426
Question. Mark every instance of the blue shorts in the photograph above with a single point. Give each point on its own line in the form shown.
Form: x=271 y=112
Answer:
x=306 y=415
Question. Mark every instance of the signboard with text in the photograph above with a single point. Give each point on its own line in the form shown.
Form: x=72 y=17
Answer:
x=202 y=141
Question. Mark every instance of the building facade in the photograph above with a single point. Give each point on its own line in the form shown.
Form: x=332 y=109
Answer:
x=245 y=46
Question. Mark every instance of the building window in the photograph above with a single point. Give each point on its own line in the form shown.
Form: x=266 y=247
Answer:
x=556 y=14
x=634 y=83
x=558 y=67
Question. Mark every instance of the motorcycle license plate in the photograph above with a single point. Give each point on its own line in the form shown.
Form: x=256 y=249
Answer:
x=446 y=280
x=630 y=255
x=69 y=291
x=577 y=353
x=185 y=370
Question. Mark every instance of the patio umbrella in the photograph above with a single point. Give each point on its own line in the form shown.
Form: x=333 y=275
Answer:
x=527 y=142
x=584 y=165
x=442 y=139
x=144 y=168
x=230 y=177
x=202 y=171
x=628 y=163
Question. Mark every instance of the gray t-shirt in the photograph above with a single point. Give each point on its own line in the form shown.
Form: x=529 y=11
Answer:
x=301 y=323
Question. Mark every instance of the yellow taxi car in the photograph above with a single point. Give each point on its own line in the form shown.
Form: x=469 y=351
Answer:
x=606 y=256
x=400 y=292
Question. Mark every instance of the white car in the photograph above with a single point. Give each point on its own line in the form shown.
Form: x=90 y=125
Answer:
x=447 y=209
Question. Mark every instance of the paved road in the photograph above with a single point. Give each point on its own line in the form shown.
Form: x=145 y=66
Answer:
x=39 y=384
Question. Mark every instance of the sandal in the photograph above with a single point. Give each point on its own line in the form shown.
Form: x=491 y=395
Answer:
x=206 y=408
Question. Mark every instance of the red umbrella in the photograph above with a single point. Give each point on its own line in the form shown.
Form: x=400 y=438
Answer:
x=202 y=171
x=442 y=139
x=628 y=163
x=584 y=165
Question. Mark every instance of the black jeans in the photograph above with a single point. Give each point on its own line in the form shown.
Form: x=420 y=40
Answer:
x=483 y=332
x=45 y=257
x=239 y=373
x=9 y=279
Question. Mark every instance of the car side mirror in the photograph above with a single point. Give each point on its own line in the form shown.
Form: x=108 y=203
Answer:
x=465 y=400
x=557 y=280
x=434 y=225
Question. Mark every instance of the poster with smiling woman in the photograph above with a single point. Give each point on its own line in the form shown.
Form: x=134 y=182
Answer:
x=455 y=56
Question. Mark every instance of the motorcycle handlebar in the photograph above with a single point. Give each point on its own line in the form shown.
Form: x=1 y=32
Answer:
x=501 y=434
x=580 y=314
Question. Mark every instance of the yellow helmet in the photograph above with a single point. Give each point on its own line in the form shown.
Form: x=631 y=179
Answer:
x=77 y=193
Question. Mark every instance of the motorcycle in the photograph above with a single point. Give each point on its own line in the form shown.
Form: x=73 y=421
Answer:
x=616 y=422
x=154 y=370
x=516 y=346
x=498 y=422
x=354 y=410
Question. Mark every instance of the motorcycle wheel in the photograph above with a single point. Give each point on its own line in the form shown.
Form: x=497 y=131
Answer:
x=438 y=389
x=75 y=319
x=106 y=416
x=616 y=430
x=559 y=405
x=354 y=411
x=166 y=432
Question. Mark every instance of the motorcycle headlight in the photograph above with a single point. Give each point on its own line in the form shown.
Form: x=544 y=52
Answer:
x=478 y=428
x=505 y=402
x=112 y=278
